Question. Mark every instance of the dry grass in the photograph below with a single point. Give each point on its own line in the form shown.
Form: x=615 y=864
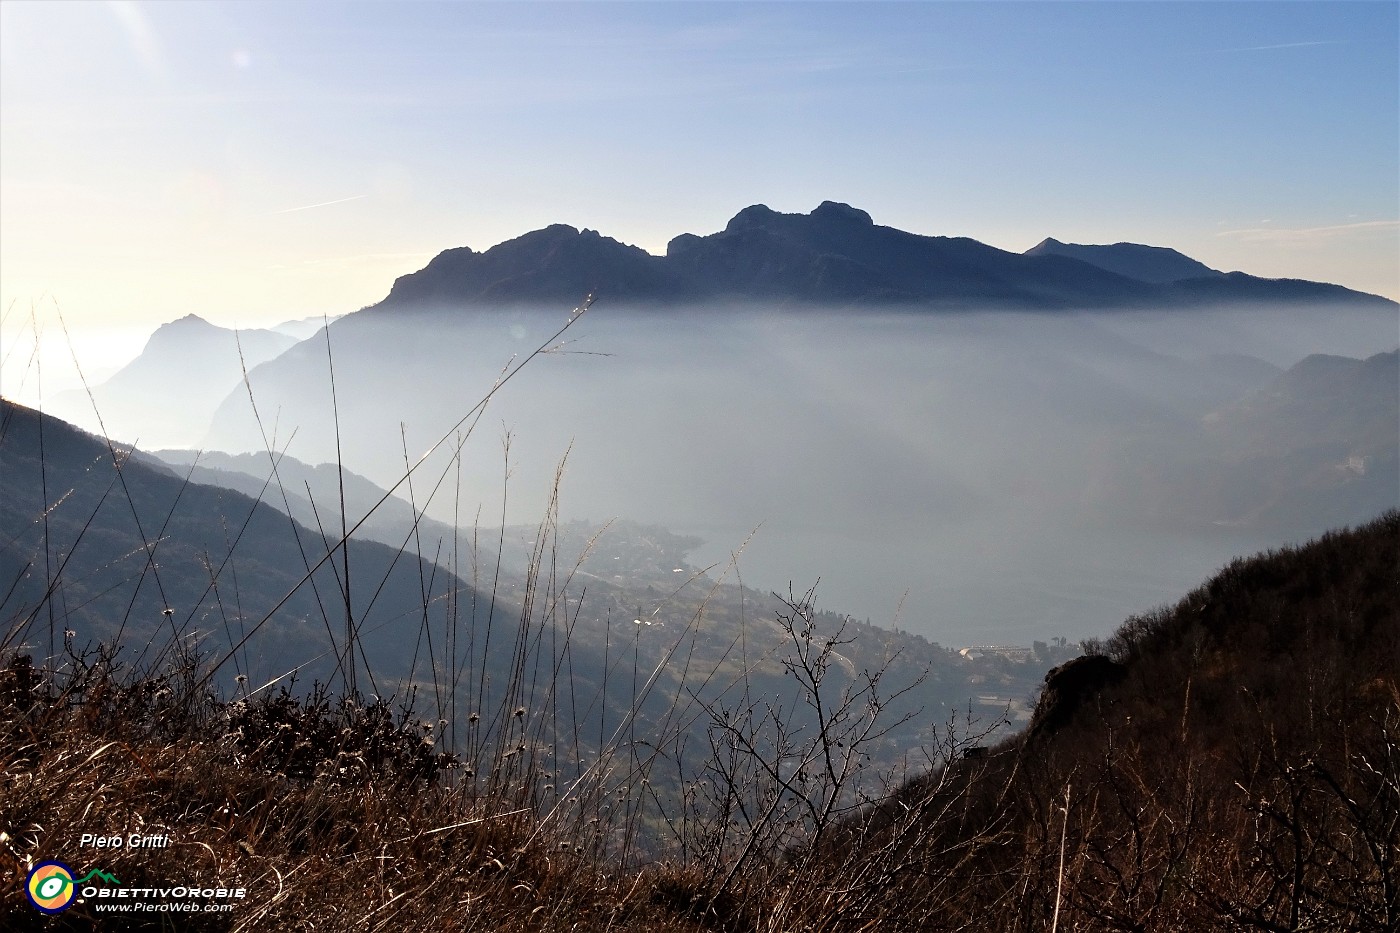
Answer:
x=332 y=817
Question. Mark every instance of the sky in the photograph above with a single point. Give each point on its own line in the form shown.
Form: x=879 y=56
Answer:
x=258 y=162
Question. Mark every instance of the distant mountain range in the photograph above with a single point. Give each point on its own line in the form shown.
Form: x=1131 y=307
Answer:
x=312 y=494
x=1318 y=442
x=116 y=548
x=834 y=256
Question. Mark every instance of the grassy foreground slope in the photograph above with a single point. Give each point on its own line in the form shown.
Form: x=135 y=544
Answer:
x=1231 y=762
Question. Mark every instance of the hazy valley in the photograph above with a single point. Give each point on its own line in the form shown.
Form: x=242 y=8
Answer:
x=1020 y=474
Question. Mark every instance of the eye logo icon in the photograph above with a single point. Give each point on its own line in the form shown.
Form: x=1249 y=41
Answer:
x=50 y=887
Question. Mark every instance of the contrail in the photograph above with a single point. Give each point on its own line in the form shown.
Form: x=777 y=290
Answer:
x=1286 y=45
x=307 y=207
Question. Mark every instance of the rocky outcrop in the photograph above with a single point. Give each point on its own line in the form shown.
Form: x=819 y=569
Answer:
x=1069 y=687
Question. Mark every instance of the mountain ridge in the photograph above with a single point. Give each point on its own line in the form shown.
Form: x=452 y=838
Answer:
x=835 y=255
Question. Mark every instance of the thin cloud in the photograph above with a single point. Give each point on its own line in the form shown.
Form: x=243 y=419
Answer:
x=1257 y=234
x=307 y=207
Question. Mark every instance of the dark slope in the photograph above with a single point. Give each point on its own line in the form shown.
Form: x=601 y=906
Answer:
x=1240 y=287
x=224 y=563
x=143 y=557
x=834 y=256
x=1157 y=264
x=393 y=522
x=1236 y=767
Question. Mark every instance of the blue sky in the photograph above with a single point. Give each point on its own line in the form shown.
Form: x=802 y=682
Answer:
x=255 y=162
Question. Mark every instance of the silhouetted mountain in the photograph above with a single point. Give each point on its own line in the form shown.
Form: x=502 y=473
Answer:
x=834 y=256
x=1145 y=263
x=838 y=255
x=185 y=370
x=558 y=264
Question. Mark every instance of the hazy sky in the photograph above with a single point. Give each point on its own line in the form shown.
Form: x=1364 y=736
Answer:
x=253 y=162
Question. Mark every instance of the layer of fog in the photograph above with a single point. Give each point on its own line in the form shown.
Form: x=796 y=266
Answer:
x=983 y=464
